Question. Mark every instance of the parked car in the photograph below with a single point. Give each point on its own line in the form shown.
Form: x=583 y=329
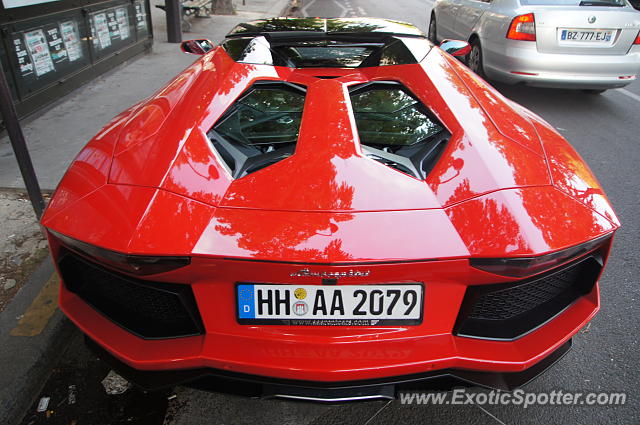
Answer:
x=582 y=44
x=328 y=209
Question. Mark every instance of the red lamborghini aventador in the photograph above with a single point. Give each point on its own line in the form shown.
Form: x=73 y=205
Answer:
x=329 y=209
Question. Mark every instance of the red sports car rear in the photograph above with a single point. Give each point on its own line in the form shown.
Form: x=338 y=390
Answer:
x=329 y=209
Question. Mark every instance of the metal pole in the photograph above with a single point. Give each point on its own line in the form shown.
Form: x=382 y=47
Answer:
x=19 y=145
x=174 y=20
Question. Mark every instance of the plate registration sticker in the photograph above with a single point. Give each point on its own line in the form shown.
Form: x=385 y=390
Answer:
x=335 y=305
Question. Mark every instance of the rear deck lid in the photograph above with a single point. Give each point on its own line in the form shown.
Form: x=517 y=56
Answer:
x=585 y=27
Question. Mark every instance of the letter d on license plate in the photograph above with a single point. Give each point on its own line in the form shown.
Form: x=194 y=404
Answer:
x=343 y=305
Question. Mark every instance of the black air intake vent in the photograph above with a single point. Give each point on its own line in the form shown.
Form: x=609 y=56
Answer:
x=510 y=310
x=260 y=128
x=147 y=309
x=397 y=130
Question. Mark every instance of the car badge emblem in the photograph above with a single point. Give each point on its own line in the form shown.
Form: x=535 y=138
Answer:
x=592 y=19
x=331 y=274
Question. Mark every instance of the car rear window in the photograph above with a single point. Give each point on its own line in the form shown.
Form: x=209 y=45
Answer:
x=327 y=53
x=326 y=56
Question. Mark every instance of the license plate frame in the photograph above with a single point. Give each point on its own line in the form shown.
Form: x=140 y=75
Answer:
x=242 y=319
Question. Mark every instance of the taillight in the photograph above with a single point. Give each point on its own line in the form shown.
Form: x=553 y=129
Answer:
x=133 y=264
x=523 y=27
x=527 y=266
x=637 y=41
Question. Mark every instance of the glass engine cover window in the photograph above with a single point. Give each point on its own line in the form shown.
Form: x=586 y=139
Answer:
x=261 y=128
x=396 y=129
x=389 y=116
x=327 y=53
x=324 y=54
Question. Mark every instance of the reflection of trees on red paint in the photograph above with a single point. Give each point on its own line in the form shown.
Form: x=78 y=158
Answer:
x=571 y=175
x=269 y=234
x=230 y=80
x=487 y=226
x=560 y=219
x=511 y=123
x=308 y=181
x=484 y=155
x=524 y=221
x=196 y=173
x=172 y=224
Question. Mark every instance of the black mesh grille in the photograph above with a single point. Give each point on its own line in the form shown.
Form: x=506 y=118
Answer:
x=508 y=303
x=507 y=311
x=147 y=309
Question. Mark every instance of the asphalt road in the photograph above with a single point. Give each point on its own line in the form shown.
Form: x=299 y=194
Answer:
x=605 y=129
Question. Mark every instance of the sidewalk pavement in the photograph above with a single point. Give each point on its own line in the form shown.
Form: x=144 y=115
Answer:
x=57 y=135
x=32 y=333
x=32 y=330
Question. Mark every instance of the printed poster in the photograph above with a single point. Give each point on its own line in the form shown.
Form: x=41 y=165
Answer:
x=101 y=31
x=25 y=65
x=112 y=23
x=57 y=50
x=39 y=52
x=141 y=16
x=71 y=40
x=122 y=16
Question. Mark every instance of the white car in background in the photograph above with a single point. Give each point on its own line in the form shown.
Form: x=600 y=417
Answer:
x=592 y=45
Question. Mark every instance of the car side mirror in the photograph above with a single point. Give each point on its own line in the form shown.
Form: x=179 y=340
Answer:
x=456 y=47
x=196 y=47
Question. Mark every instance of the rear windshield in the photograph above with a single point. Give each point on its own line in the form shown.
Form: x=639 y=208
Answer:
x=616 y=3
x=323 y=55
x=327 y=53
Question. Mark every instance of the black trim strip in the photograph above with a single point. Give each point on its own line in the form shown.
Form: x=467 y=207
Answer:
x=588 y=269
x=355 y=263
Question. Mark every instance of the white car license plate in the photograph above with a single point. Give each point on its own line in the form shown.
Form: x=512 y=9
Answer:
x=573 y=35
x=344 y=305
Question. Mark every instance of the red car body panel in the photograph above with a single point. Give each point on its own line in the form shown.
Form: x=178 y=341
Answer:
x=506 y=185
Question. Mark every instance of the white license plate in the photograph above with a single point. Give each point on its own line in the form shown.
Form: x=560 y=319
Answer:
x=345 y=305
x=571 y=35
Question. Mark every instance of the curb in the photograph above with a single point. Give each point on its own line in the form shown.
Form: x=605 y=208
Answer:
x=26 y=351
